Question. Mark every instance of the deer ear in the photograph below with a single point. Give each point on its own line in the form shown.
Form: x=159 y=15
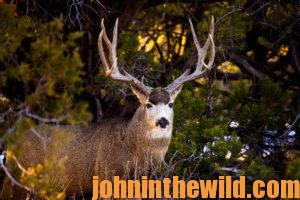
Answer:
x=174 y=93
x=139 y=94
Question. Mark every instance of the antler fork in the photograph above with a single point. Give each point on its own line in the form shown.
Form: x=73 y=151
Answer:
x=111 y=68
x=199 y=71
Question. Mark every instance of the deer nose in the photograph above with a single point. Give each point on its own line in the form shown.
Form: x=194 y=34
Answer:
x=162 y=122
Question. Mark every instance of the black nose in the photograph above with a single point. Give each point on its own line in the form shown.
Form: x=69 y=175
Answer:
x=163 y=122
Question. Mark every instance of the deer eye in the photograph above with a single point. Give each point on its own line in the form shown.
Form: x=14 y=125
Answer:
x=148 y=105
x=171 y=105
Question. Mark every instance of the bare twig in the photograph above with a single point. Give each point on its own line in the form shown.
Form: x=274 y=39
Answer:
x=42 y=138
x=38 y=118
x=15 y=182
x=228 y=14
x=9 y=110
x=209 y=98
x=291 y=126
x=247 y=66
x=260 y=8
x=160 y=52
x=19 y=164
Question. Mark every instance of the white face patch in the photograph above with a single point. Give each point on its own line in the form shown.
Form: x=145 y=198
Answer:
x=155 y=114
x=160 y=133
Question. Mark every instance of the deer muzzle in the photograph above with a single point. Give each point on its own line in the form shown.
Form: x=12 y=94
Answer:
x=162 y=122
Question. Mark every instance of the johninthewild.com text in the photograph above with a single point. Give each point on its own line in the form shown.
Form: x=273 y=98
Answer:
x=223 y=187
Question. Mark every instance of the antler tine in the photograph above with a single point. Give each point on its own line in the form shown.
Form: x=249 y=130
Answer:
x=111 y=68
x=206 y=45
x=115 y=35
x=114 y=46
x=212 y=54
x=198 y=72
x=196 y=42
x=101 y=52
x=106 y=40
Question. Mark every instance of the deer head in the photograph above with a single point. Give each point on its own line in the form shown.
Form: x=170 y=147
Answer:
x=157 y=103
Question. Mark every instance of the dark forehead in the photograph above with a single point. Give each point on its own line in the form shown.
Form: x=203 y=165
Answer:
x=159 y=96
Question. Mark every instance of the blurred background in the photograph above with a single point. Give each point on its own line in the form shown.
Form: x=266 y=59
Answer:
x=242 y=119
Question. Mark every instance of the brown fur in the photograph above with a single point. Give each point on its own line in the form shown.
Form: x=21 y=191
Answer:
x=114 y=147
x=159 y=96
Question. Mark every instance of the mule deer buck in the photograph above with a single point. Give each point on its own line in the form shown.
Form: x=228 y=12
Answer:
x=117 y=147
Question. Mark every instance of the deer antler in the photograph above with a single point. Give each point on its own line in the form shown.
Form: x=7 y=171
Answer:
x=198 y=72
x=111 y=68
